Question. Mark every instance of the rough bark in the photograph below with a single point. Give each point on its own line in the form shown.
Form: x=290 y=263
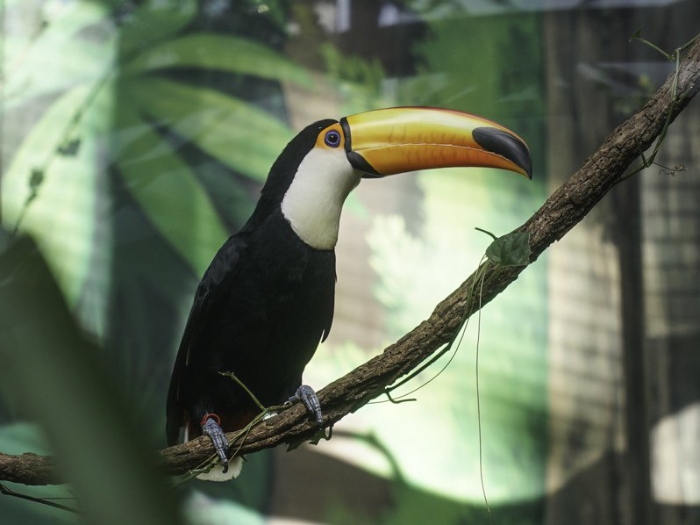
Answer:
x=567 y=206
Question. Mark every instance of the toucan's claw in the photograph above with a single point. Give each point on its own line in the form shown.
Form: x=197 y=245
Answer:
x=211 y=428
x=306 y=395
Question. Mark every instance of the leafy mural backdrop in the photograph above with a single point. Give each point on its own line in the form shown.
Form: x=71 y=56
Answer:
x=156 y=130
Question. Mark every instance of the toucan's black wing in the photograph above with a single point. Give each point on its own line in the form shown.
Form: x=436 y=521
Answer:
x=219 y=278
x=261 y=310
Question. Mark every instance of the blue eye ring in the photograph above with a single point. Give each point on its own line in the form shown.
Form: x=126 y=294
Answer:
x=332 y=138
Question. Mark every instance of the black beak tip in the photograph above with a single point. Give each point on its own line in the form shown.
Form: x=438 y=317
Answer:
x=526 y=164
x=506 y=145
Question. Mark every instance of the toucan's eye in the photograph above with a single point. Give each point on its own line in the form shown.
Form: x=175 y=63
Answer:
x=332 y=139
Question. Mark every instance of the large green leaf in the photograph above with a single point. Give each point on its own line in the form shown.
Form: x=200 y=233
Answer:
x=153 y=21
x=226 y=53
x=38 y=146
x=51 y=374
x=63 y=216
x=60 y=168
x=59 y=57
x=236 y=133
x=62 y=55
x=167 y=190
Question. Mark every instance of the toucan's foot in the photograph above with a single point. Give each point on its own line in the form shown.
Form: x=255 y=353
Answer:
x=306 y=395
x=211 y=426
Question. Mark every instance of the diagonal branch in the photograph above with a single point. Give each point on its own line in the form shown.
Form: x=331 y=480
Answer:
x=567 y=206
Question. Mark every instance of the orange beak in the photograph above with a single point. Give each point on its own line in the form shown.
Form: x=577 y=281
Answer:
x=396 y=140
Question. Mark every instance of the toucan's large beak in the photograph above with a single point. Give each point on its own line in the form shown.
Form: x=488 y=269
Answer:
x=396 y=140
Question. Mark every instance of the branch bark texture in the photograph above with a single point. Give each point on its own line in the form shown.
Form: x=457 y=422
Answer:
x=566 y=207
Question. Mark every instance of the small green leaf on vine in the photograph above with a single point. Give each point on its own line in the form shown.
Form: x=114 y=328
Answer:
x=512 y=249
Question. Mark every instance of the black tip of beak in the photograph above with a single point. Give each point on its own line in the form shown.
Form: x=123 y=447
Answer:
x=506 y=145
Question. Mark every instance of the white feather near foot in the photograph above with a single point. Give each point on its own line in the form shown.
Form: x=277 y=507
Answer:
x=217 y=471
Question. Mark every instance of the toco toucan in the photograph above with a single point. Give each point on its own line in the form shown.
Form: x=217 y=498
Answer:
x=266 y=301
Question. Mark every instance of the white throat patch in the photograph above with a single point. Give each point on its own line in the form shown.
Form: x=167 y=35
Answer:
x=315 y=198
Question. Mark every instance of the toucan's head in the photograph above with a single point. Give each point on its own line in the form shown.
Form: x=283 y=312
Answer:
x=320 y=166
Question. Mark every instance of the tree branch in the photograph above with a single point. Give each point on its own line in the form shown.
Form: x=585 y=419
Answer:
x=567 y=206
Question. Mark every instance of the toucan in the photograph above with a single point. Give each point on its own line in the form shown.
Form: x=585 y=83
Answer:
x=266 y=300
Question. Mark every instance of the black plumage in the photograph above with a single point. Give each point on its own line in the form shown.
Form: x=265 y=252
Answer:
x=261 y=309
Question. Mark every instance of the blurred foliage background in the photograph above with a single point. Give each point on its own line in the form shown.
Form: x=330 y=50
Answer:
x=135 y=138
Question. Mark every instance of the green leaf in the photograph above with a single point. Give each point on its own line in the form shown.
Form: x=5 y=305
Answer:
x=59 y=57
x=512 y=249
x=61 y=214
x=225 y=53
x=235 y=132
x=62 y=217
x=34 y=151
x=59 y=383
x=154 y=21
x=167 y=190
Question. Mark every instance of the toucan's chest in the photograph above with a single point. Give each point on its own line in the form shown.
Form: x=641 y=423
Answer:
x=272 y=310
x=279 y=271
